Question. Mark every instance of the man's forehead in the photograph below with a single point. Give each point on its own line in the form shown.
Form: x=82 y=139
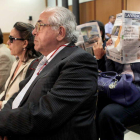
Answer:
x=44 y=16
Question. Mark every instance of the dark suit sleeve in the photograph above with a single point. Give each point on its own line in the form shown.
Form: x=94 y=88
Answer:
x=76 y=84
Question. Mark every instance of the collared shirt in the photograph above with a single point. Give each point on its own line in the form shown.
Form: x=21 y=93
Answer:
x=45 y=59
x=108 y=29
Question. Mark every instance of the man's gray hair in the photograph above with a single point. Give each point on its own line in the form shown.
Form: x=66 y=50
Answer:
x=63 y=17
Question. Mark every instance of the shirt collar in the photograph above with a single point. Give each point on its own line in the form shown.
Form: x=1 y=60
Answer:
x=49 y=55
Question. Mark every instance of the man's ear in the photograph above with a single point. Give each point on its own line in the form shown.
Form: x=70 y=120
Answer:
x=61 y=34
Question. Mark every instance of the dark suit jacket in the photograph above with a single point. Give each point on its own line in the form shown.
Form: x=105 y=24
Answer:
x=60 y=103
x=102 y=62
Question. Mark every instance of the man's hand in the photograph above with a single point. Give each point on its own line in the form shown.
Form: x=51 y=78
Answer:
x=98 y=49
x=109 y=42
x=109 y=35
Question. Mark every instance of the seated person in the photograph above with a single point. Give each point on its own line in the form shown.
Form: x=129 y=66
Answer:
x=99 y=47
x=6 y=61
x=21 y=44
x=58 y=101
x=99 y=50
x=114 y=118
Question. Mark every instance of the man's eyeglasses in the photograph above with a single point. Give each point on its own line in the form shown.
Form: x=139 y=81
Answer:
x=12 y=38
x=38 y=25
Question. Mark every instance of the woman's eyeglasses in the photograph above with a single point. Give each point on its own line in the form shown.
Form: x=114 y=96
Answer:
x=12 y=38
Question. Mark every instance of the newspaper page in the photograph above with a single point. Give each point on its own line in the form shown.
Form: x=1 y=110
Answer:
x=114 y=52
x=126 y=47
x=131 y=37
x=88 y=35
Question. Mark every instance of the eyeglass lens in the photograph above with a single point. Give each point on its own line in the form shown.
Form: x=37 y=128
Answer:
x=37 y=26
x=11 y=39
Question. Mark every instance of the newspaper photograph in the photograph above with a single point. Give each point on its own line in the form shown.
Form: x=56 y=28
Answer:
x=114 y=51
x=126 y=42
x=88 y=35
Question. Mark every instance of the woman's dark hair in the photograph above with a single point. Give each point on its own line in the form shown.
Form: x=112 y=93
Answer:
x=25 y=32
x=101 y=26
x=1 y=37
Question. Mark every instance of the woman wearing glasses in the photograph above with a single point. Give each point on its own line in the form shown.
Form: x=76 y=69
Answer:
x=21 y=44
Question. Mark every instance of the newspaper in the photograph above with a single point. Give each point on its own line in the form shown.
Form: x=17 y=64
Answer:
x=126 y=38
x=88 y=35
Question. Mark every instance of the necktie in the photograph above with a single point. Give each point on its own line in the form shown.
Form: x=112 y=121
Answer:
x=41 y=65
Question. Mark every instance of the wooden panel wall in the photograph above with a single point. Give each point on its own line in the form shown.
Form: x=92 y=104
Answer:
x=133 y=5
x=100 y=10
x=105 y=8
x=124 y=4
x=86 y=11
x=5 y=37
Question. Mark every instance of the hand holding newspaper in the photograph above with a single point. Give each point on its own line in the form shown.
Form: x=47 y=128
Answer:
x=89 y=33
x=99 y=52
x=125 y=36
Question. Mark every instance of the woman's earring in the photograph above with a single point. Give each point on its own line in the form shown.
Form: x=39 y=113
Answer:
x=24 y=49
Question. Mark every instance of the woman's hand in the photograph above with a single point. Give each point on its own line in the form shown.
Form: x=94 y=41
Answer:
x=98 y=49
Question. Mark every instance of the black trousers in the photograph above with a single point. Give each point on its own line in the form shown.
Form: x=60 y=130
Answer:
x=112 y=118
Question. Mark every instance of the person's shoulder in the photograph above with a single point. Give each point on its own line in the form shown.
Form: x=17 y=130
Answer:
x=107 y=24
x=30 y=60
x=5 y=53
x=4 y=47
x=79 y=53
x=79 y=50
x=4 y=50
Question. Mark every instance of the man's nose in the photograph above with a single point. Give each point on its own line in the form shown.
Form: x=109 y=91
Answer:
x=34 y=31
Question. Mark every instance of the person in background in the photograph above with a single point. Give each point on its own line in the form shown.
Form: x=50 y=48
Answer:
x=21 y=44
x=6 y=61
x=109 y=26
x=59 y=100
x=114 y=118
x=99 y=47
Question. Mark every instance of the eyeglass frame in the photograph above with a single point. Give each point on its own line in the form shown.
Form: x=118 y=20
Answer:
x=13 y=38
x=38 y=25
